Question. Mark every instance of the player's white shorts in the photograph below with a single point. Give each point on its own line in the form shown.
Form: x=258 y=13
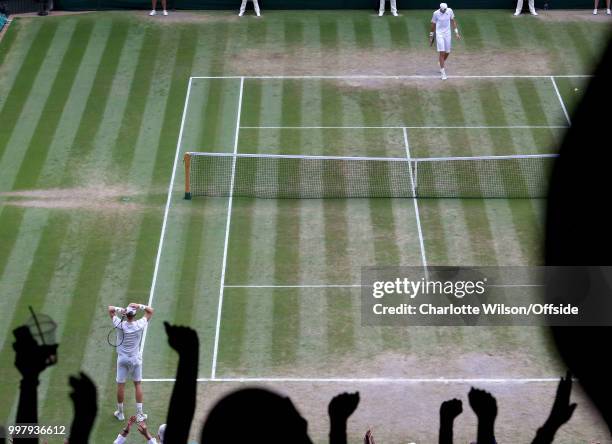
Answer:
x=129 y=366
x=443 y=41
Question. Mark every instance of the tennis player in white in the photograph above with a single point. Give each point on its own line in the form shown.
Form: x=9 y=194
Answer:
x=129 y=359
x=441 y=23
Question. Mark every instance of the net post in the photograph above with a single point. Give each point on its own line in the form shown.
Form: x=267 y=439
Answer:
x=187 y=162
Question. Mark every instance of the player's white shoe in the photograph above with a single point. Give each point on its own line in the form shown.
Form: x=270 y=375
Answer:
x=395 y=14
x=119 y=415
x=517 y=13
x=240 y=14
x=534 y=13
x=594 y=11
x=380 y=13
x=258 y=14
x=153 y=12
x=444 y=77
x=165 y=12
x=141 y=417
x=608 y=12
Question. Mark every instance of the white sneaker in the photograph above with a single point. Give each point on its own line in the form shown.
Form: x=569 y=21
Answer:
x=395 y=14
x=165 y=12
x=153 y=12
x=444 y=75
x=534 y=13
x=608 y=12
x=258 y=14
x=240 y=14
x=141 y=417
x=380 y=13
x=594 y=11
x=119 y=415
x=517 y=13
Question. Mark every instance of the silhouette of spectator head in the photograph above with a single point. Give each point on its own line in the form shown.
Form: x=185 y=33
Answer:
x=578 y=230
x=244 y=414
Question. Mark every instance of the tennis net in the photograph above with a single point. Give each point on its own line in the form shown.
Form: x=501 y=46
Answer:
x=276 y=176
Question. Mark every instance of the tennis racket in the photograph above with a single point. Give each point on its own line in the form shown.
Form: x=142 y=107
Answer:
x=115 y=336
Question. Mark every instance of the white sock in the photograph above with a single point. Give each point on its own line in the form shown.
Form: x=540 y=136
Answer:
x=120 y=407
x=139 y=407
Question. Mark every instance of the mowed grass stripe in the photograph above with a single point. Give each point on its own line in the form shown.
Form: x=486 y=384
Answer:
x=240 y=251
x=522 y=216
x=133 y=116
x=31 y=113
x=287 y=267
x=38 y=148
x=28 y=72
x=335 y=228
x=14 y=49
x=97 y=100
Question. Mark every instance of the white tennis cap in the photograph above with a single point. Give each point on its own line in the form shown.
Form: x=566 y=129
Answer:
x=443 y=6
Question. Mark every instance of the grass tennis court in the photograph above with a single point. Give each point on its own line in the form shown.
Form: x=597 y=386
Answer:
x=96 y=111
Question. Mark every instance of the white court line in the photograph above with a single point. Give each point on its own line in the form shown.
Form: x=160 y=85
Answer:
x=297 y=286
x=227 y=230
x=374 y=380
x=398 y=77
x=166 y=210
x=569 y=122
x=416 y=203
x=410 y=127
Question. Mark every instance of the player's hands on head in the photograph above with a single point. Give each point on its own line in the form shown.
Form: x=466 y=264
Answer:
x=182 y=339
x=32 y=359
x=483 y=404
x=450 y=409
x=343 y=405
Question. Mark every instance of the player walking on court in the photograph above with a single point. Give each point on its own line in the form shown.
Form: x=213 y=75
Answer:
x=441 y=23
x=129 y=358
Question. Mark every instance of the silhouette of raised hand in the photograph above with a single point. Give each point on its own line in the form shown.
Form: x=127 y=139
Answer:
x=182 y=339
x=183 y=399
x=340 y=408
x=449 y=410
x=560 y=413
x=84 y=399
x=485 y=407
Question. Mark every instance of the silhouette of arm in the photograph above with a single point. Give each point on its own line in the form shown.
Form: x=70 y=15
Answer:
x=84 y=401
x=31 y=360
x=485 y=407
x=449 y=410
x=560 y=413
x=183 y=401
x=340 y=408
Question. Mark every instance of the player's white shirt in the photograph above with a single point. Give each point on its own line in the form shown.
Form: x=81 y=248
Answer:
x=442 y=21
x=129 y=335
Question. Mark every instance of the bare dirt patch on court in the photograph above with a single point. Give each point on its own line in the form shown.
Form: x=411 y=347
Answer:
x=187 y=17
x=101 y=199
x=389 y=62
x=575 y=15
